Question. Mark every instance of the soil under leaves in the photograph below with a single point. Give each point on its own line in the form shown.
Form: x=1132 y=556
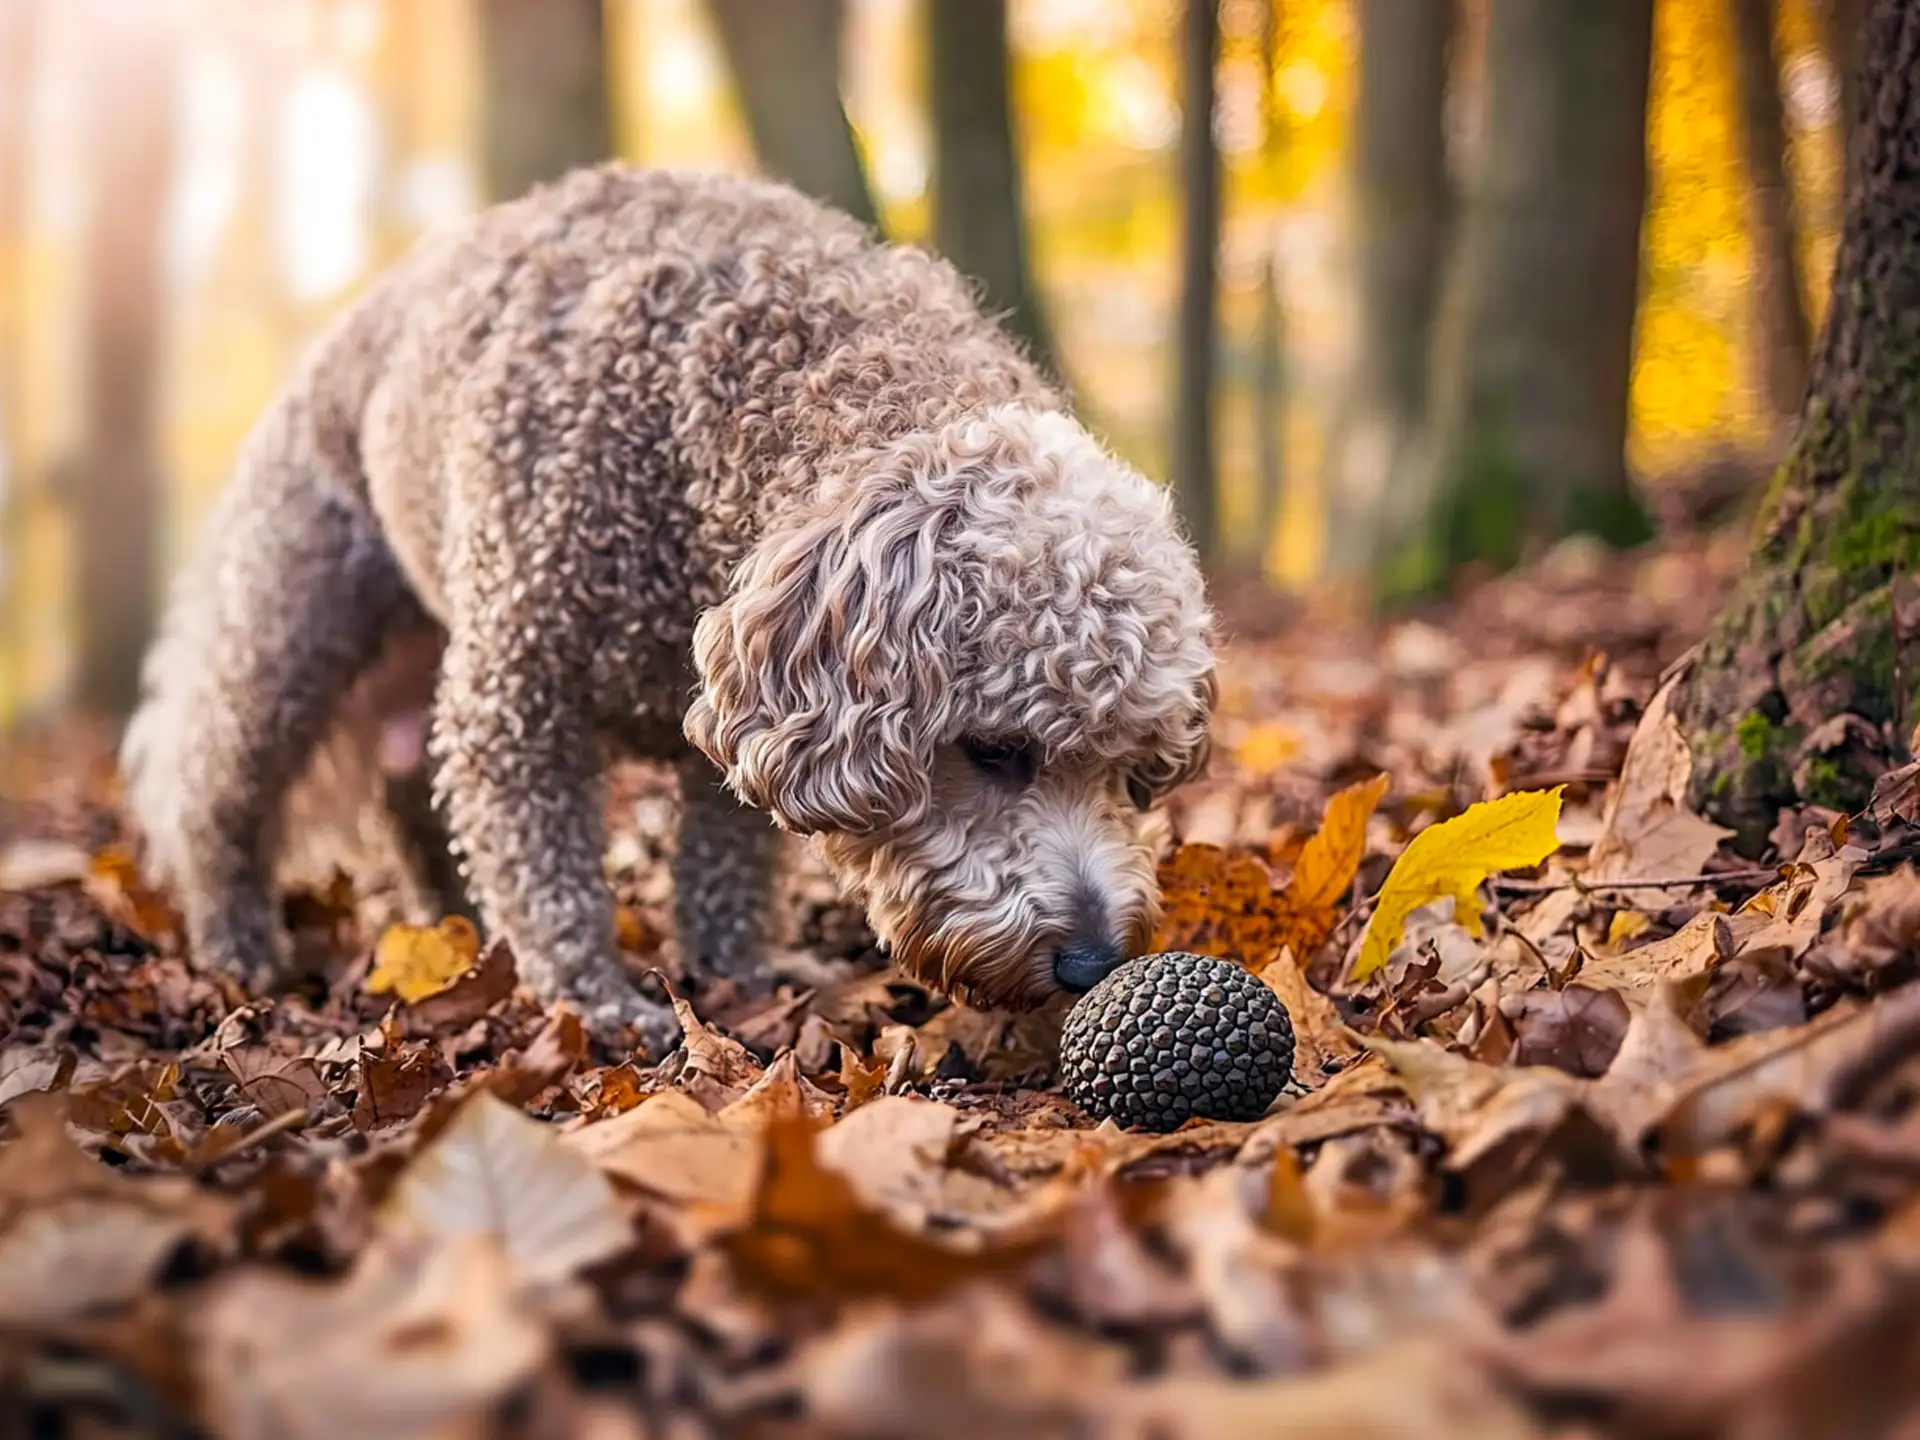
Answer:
x=1628 y=1146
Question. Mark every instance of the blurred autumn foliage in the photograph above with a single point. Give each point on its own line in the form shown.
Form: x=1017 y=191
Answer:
x=319 y=137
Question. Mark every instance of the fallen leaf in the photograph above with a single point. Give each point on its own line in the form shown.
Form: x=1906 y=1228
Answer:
x=671 y=1146
x=418 y=1340
x=1576 y=1029
x=275 y=1082
x=494 y=1171
x=1306 y=911
x=415 y=961
x=1322 y=1044
x=1266 y=747
x=76 y=1236
x=470 y=995
x=1452 y=859
x=1646 y=830
x=1477 y=1108
x=809 y=1236
x=894 y=1151
x=1698 y=947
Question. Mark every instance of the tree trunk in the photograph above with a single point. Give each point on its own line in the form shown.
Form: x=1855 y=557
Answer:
x=545 y=101
x=979 y=220
x=1401 y=201
x=19 y=35
x=1805 y=685
x=1194 y=480
x=1782 y=336
x=1534 y=345
x=117 y=485
x=1269 y=373
x=786 y=62
x=1842 y=24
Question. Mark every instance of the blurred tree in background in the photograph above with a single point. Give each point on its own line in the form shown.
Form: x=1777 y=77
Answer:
x=118 y=478
x=19 y=33
x=1782 y=335
x=1808 y=683
x=545 y=85
x=979 y=215
x=1400 y=199
x=318 y=138
x=1534 y=342
x=1195 y=481
x=786 y=64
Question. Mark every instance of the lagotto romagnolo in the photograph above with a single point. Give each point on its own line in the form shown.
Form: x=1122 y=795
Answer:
x=684 y=467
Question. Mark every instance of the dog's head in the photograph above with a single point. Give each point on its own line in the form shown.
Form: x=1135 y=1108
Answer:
x=967 y=670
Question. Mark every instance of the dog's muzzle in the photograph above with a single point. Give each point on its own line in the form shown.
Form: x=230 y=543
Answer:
x=1079 y=965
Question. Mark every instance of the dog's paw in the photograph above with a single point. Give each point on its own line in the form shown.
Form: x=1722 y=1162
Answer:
x=616 y=1015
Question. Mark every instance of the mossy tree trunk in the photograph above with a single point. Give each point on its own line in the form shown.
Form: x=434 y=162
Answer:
x=1534 y=343
x=1782 y=336
x=979 y=206
x=1806 y=683
x=545 y=101
x=785 y=59
x=1401 y=200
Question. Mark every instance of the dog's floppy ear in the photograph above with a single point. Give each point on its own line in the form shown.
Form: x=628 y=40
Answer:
x=824 y=672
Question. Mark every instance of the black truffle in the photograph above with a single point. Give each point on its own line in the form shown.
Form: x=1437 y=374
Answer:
x=1168 y=1037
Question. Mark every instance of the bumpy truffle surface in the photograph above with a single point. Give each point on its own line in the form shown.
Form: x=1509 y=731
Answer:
x=1173 y=1036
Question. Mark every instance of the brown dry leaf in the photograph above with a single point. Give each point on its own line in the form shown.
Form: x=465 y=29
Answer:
x=1322 y=1044
x=114 y=883
x=1217 y=902
x=1577 y=1029
x=495 y=1171
x=1422 y=1388
x=781 y=1092
x=420 y=1340
x=1646 y=830
x=809 y=1236
x=980 y=1364
x=1477 y=1108
x=471 y=994
x=1703 y=943
x=26 y=1070
x=395 y=1082
x=415 y=961
x=1809 y=1068
x=1781 y=923
x=672 y=1146
x=861 y=1080
x=726 y=1067
x=894 y=1151
x=77 y=1236
x=276 y=1082
x=1659 y=1050
x=1896 y=796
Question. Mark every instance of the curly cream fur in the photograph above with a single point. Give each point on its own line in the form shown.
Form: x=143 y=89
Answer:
x=650 y=458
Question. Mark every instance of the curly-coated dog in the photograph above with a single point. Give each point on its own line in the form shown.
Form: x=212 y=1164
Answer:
x=687 y=467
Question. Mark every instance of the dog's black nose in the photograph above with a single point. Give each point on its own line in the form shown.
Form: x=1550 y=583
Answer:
x=1079 y=965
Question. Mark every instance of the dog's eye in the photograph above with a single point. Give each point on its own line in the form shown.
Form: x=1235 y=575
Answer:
x=1011 y=763
x=1140 y=793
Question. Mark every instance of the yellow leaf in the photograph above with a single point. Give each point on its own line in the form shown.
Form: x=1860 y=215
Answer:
x=1453 y=858
x=415 y=961
x=1326 y=867
x=1266 y=747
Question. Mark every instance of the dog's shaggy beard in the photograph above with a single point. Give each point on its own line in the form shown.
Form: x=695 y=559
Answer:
x=978 y=900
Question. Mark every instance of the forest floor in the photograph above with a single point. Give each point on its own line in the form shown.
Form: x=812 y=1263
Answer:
x=1639 y=1157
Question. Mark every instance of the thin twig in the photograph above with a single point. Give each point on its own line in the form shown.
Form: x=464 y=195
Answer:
x=1723 y=877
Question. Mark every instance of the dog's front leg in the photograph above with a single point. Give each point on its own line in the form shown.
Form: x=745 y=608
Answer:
x=725 y=866
x=518 y=778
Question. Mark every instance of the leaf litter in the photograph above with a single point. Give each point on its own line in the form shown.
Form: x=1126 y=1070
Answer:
x=1595 y=1128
